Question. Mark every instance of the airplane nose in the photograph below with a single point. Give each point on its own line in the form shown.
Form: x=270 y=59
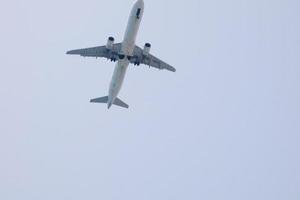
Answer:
x=140 y=3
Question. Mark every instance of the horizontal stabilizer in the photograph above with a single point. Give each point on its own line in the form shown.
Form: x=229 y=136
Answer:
x=117 y=101
x=120 y=103
x=100 y=100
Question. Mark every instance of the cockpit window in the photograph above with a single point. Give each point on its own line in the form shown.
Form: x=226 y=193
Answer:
x=138 y=13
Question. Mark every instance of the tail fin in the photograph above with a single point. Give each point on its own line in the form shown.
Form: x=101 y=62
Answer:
x=117 y=101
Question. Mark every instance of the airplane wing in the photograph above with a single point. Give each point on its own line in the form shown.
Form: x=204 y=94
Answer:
x=101 y=52
x=149 y=60
x=113 y=54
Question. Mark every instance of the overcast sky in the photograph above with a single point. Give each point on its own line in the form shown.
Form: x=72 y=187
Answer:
x=226 y=125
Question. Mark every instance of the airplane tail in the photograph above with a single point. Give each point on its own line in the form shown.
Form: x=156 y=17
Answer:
x=117 y=101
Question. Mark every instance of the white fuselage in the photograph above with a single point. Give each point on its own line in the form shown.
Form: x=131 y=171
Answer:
x=127 y=49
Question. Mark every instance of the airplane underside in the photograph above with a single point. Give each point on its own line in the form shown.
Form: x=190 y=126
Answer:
x=124 y=53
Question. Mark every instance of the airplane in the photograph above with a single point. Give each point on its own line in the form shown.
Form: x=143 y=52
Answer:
x=124 y=53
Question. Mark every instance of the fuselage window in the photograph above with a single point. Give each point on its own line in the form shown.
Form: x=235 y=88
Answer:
x=138 y=13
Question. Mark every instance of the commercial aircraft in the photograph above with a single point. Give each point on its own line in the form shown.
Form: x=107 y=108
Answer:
x=124 y=53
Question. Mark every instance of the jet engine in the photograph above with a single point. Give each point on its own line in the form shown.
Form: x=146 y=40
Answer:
x=110 y=43
x=146 y=49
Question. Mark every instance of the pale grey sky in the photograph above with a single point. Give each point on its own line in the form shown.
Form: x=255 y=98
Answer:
x=225 y=126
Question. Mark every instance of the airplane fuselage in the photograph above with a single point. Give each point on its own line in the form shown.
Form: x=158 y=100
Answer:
x=127 y=49
x=124 y=53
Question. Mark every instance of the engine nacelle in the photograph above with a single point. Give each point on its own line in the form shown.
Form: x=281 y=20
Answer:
x=110 y=43
x=146 y=49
